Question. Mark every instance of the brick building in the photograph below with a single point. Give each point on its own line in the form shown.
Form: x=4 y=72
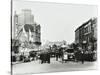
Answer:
x=86 y=34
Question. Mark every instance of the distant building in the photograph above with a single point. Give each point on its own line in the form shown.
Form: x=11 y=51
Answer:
x=26 y=30
x=86 y=34
x=57 y=43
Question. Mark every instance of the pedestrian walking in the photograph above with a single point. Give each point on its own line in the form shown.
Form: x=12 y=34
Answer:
x=41 y=58
x=57 y=56
x=48 y=58
x=82 y=57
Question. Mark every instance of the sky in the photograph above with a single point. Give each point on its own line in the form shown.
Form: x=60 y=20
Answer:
x=58 y=21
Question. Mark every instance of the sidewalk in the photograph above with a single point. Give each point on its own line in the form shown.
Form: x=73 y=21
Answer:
x=17 y=62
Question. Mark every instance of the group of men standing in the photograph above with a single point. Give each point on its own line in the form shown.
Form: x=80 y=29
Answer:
x=45 y=57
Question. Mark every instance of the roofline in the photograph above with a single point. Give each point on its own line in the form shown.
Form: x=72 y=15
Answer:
x=84 y=24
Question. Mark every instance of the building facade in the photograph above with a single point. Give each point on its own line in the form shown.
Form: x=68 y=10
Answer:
x=86 y=34
x=26 y=29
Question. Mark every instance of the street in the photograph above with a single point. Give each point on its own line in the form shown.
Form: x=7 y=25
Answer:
x=54 y=66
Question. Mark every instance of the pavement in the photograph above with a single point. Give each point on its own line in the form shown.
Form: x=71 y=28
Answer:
x=54 y=66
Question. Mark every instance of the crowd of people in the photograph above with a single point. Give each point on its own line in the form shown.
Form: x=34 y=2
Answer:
x=62 y=53
x=45 y=57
